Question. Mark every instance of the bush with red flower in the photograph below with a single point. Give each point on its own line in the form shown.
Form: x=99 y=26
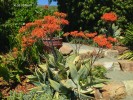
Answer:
x=48 y=27
x=110 y=28
x=111 y=17
x=33 y=33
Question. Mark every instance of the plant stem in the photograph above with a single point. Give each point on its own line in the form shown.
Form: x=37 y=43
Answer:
x=91 y=65
x=53 y=51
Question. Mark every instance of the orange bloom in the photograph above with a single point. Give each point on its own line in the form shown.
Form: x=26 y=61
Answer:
x=108 y=45
x=81 y=34
x=112 y=39
x=39 y=22
x=46 y=26
x=77 y=34
x=100 y=40
x=74 y=33
x=90 y=35
x=24 y=39
x=58 y=14
x=109 y=17
x=15 y=49
x=15 y=54
x=38 y=32
x=64 y=22
x=30 y=24
x=66 y=34
x=50 y=19
x=51 y=28
x=22 y=29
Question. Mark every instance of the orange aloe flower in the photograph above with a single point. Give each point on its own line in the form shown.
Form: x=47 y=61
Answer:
x=109 y=17
x=90 y=35
x=112 y=39
x=66 y=34
x=58 y=14
x=38 y=32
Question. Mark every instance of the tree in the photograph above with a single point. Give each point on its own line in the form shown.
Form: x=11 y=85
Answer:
x=14 y=13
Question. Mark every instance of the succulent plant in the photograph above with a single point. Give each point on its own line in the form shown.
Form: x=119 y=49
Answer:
x=69 y=74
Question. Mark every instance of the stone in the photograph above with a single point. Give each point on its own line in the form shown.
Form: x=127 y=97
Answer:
x=97 y=94
x=129 y=87
x=105 y=95
x=66 y=50
x=109 y=64
x=111 y=53
x=126 y=65
x=116 y=90
x=120 y=49
x=116 y=66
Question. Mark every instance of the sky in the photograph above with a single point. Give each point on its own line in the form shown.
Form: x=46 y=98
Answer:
x=45 y=2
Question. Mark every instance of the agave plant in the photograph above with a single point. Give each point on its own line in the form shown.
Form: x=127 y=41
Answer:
x=69 y=74
x=112 y=30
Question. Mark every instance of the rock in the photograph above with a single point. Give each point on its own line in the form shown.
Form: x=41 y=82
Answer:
x=109 y=64
x=97 y=94
x=84 y=51
x=116 y=66
x=129 y=87
x=66 y=49
x=111 y=53
x=126 y=65
x=105 y=95
x=120 y=49
x=116 y=90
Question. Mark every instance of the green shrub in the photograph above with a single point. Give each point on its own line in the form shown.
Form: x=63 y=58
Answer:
x=40 y=93
x=86 y=14
x=17 y=13
x=128 y=38
x=128 y=41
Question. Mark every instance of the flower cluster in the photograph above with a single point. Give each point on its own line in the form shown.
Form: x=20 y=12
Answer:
x=102 y=41
x=90 y=35
x=15 y=52
x=112 y=39
x=42 y=28
x=61 y=15
x=111 y=17
x=81 y=34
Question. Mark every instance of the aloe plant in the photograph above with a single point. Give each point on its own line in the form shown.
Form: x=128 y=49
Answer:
x=69 y=74
x=112 y=30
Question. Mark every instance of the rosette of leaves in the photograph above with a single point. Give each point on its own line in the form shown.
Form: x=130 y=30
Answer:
x=69 y=76
x=112 y=30
x=43 y=92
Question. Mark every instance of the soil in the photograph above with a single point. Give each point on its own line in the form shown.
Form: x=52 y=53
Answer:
x=6 y=87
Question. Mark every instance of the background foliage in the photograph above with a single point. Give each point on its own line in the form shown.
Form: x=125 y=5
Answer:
x=85 y=14
x=14 y=14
